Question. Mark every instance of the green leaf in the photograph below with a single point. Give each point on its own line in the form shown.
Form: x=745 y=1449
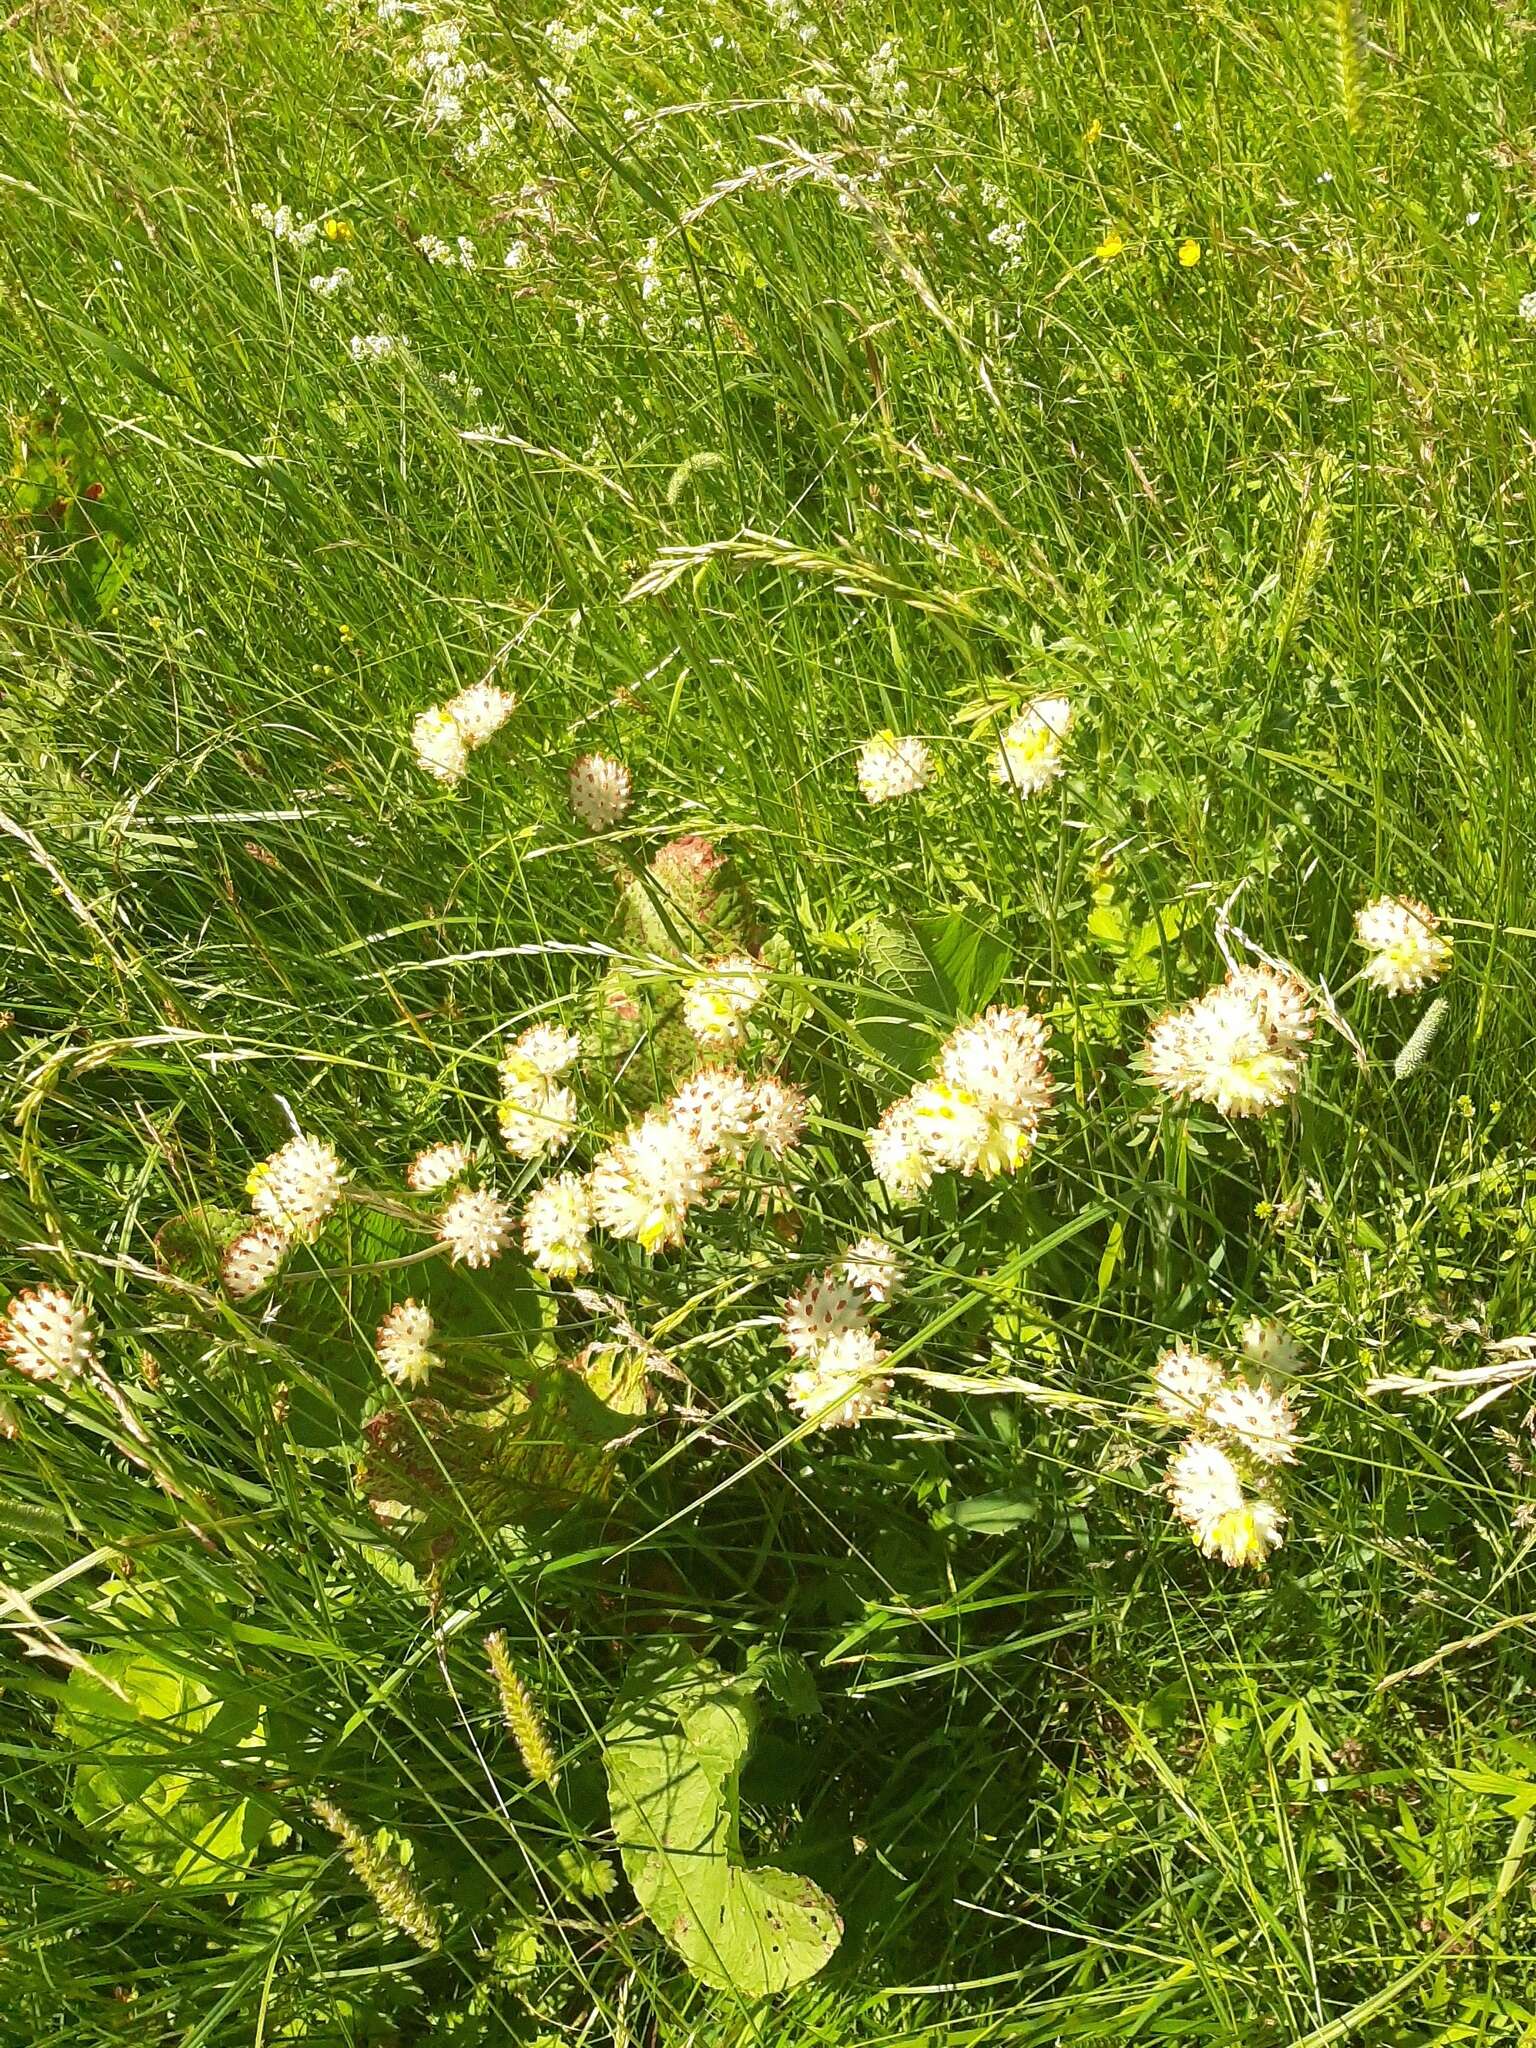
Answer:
x=990 y=1514
x=673 y=1763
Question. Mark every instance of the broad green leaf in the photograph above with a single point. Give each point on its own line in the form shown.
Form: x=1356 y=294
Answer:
x=673 y=1764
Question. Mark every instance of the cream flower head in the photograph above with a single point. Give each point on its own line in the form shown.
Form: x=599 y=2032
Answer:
x=844 y=1384
x=436 y=1167
x=600 y=791
x=1185 y=1380
x=779 y=1111
x=476 y=1227
x=1407 y=948
x=48 y=1335
x=826 y=1306
x=718 y=1106
x=890 y=767
x=1225 y=1049
x=898 y=1153
x=644 y=1186
x=1260 y=1419
x=440 y=746
x=556 y=1220
x=717 y=1004
x=403 y=1345
x=480 y=711
x=871 y=1265
x=298 y=1187
x=1032 y=751
x=252 y=1261
x=535 y=1116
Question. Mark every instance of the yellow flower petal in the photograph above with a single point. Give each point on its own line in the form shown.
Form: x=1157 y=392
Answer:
x=1110 y=247
x=1189 y=252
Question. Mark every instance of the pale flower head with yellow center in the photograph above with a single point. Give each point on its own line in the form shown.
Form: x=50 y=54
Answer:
x=827 y=1305
x=892 y=767
x=898 y=1155
x=844 y=1384
x=440 y=746
x=1032 y=750
x=403 y=1345
x=556 y=1220
x=535 y=1116
x=717 y=1004
x=1407 y=948
x=1223 y=1050
x=643 y=1187
x=298 y=1187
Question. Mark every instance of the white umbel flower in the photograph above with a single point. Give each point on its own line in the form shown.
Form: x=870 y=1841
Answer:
x=600 y=791
x=440 y=746
x=298 y=1187
x=872 y=1266
x=403 y=1345
x=844 y=1384
x=1259 y=1418
x=1407 y=948
x=717 y=1005
x=47 y=1335
x=779 y=1111
x=1184 y=1381
x=480 y=711
x=1032 y=750
x=719 y=1107
x=252 y=1261
x=644 y=1186
x=543 y=1049
x=898 y=1154
x=891 y=767
x=825 y=1307
x=475 y=1226
x=556 y=1220
x=436 y=1167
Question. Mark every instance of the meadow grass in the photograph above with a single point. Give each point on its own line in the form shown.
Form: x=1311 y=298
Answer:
x=816 y=373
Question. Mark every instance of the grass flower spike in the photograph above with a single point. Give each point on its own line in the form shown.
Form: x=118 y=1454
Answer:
x=521 y=1715
x=1407 y=948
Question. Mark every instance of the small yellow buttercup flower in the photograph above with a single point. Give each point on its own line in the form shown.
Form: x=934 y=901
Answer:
x=1111 y=246
x=339 y=231
x=1189 y=253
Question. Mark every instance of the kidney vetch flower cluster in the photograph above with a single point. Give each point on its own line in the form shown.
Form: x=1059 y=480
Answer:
x=839 y=1379
x=980 y=1113
x=1241 y=1427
